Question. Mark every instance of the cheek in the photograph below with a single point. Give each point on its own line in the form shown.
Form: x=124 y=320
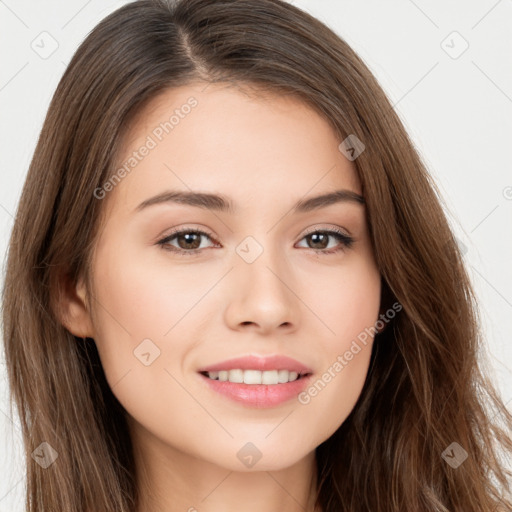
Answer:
x=145 y=310
x=346 y=302
x=137 y=303
x=344 y=299
x=139 y=296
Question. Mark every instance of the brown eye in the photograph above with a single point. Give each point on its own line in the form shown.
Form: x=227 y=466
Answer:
x=319 y=241
x=188 y=241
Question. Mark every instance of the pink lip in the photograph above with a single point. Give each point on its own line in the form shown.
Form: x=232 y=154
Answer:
x=259 y=395
x=261 y=363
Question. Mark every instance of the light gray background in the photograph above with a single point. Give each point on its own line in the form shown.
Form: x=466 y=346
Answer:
x=457 y=108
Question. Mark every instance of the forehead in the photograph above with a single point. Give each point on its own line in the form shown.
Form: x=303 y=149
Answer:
x=248 y=144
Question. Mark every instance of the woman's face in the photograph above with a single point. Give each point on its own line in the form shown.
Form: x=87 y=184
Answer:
x=267 y=278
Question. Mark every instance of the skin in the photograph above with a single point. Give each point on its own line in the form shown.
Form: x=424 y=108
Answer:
x=264 y=152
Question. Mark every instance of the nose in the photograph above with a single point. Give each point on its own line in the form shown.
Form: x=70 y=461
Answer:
x=262 y=297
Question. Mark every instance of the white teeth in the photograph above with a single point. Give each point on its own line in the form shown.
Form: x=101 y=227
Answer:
x=254 y=376
x=236 y=376
x=270 y=377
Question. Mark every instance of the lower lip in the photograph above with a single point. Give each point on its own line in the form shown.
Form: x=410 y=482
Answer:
x=259 y=395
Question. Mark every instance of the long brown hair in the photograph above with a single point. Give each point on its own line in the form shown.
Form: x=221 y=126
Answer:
x=425 y=398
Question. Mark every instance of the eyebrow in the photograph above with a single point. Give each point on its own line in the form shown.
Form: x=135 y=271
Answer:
x=221 y=203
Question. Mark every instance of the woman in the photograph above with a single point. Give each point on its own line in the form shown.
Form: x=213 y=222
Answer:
x=231 y=283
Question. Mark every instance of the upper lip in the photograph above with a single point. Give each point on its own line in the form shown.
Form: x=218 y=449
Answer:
x=262 y=363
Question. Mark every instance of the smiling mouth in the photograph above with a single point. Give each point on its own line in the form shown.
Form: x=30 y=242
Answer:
x=269 y=377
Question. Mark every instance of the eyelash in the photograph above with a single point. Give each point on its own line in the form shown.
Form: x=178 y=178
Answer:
x=346 y=241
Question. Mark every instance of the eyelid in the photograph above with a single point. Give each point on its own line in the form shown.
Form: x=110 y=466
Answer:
x=316 y=227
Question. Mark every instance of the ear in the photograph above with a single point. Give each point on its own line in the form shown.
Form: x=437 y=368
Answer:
x=72 y=307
